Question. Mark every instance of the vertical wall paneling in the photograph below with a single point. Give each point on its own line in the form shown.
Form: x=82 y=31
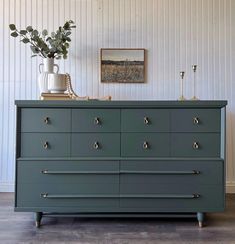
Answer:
x=175 y=33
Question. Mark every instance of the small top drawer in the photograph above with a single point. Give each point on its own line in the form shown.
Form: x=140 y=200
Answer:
x=145 y=120
x=45 y=120
x=95 y=120
x=195 y=120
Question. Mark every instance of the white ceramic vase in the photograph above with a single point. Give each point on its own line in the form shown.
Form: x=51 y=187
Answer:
x=57 y=83
x=45 y=68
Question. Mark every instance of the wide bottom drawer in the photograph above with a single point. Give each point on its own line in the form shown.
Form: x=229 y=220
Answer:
x=185 y=198
x=67 y=195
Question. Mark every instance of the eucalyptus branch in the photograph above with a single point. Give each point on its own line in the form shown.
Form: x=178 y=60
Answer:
x=47 y=46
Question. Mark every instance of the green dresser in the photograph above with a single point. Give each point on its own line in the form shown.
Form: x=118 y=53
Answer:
x=120 y=158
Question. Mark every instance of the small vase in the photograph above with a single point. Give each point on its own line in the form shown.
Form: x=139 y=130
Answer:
x=45 y=68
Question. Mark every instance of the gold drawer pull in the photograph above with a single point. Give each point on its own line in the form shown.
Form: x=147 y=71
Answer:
x=196 y=120
x=195 y=145
x=146 y=120
x=44 y=195
x=145 y=145
x=96 y=121
x=196 y=172
x=196 y=195
x=46 y=120
x=45 y=145
x=96 y=145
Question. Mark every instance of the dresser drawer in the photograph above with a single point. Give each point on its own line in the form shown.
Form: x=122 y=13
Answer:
x=95 y=120
x=94 y=195
x=175 y=198
x=141 y=176
x=145 y=120
x=195 y=145
x=68 y=172
x=95 y=144
x=145 y=144
x=45 y=120
x=195 y=120
x=45 y=144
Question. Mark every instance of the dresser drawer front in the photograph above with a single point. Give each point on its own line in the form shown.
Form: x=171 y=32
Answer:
x=195 y=145
x=175 y=198
x=45 y=145
x=195 y=120
x=145 y=144
x=68 y=172
x=45 y=120
x=95 y=144
x=145 y=176
x=145 y=120
x=95 y=120
x=67 y=195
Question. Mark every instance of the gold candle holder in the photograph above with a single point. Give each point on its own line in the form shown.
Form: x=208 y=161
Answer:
x=194 y=67
x=182 y=98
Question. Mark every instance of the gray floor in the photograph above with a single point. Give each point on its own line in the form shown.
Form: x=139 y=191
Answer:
x=19 y=228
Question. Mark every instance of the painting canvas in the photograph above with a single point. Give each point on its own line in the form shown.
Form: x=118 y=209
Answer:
x=122 y=65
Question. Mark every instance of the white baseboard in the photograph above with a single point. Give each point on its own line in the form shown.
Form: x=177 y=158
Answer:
x=230 y=187
x=9 y=187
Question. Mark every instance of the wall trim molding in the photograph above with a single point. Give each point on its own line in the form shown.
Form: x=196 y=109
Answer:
x=7 y=187
x=10 y=187
x=230 y=187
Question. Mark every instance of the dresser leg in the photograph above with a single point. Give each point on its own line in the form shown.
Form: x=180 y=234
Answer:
x=38 y=217
x=200 y=218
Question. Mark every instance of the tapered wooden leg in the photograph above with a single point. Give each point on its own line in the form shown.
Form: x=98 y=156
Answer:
x=200 y=218
x=38 y=217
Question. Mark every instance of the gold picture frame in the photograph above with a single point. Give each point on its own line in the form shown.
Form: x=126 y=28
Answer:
x=122 y=65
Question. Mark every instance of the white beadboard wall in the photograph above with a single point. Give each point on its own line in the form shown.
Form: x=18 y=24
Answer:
x=176 y=34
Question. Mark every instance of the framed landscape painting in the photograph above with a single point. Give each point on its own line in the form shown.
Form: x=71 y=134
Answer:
x=122 y=65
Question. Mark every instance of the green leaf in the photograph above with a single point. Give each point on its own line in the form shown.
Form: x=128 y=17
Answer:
x=66 y=25
x=12 y=27
x=68 y=39
x=65 y=56
x=35 y=32
x=44 y=32
x=52 y=34
x=66 y=45
x=35 y=55
x=25 y=40
x=29 y=28
x=14 y=34
x=34 y=49
x=68 y=33
x=23 y=32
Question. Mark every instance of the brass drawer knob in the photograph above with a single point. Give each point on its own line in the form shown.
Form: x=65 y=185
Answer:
x=96 y=145
x=196 y=120
x=145 y=145
x=146 y=120
x=195 y=145
x=46 y=120
x=196 y=172
x=196 y=195
x=45 y=145
x=96 y=121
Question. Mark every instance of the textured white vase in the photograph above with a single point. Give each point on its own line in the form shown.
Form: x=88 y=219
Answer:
x=57 y=83
x=45 y=68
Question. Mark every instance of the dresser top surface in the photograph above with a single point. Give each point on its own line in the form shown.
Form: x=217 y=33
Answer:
x=124 y=103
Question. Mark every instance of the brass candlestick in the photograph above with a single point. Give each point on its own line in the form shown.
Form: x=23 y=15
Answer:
x=182 y=86
x=194 y=67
